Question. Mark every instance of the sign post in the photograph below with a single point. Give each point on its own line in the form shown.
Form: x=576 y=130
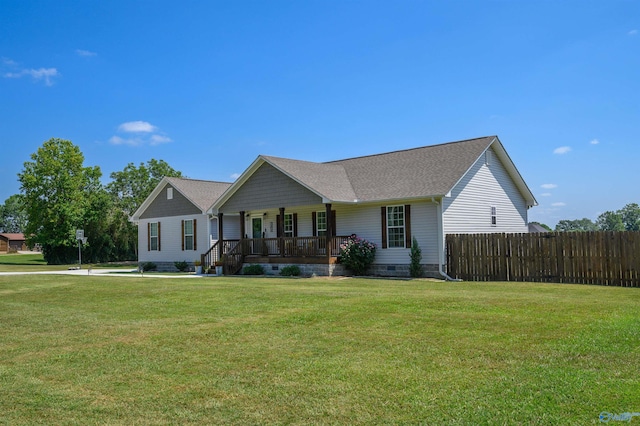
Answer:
x=81 y=239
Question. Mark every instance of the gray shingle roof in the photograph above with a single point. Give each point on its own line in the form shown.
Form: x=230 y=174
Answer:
x=327 y=180
x=420 y=172
x=202 y=193
x=412 y=173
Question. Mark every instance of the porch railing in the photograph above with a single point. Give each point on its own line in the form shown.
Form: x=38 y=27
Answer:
x=232 y=252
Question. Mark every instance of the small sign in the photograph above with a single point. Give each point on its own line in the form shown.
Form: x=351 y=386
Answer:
x=79 y=234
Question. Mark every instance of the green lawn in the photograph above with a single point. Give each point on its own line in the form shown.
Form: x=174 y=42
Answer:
x=109 y=350
x=35 y=262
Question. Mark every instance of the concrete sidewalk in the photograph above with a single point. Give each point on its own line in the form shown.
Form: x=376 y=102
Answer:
x=120 y=272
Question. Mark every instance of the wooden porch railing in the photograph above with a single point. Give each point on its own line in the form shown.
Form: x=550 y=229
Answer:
x=232 y=253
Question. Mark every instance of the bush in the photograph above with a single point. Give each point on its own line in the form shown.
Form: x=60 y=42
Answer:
x=290 y=271
x=357 y=254
x=149 y=266
x=415 y=267
x=253 y=270
x=181 y=266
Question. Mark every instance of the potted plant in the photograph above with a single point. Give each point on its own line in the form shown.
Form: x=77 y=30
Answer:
x=198 y=265
x=219 y=264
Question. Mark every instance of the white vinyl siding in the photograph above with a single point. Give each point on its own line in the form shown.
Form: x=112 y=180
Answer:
x=468 y=210
x=171 y=239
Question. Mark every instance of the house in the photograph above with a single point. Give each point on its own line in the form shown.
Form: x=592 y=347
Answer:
x=10 y=242
x=173 y=224
x=283 y=211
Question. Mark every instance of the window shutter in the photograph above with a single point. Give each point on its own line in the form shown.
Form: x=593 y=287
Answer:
x=407 y=226
x=383 y=216
x=158 y=236
x=295 y=224
x=182 y=226
x=149 y=236
x=278 y=233
x=314 y=230
x=195 y=235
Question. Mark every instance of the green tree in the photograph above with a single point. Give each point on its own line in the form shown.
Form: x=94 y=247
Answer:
x=57 y=192
x=13 y=217
x=579 y=225
x=131 y=186
x=630 y=216
x=610 y=221
x=415 y=256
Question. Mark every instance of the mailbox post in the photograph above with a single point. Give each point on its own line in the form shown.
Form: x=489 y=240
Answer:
x=81 y=240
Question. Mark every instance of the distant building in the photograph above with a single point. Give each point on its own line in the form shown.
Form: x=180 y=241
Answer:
x=12 y=242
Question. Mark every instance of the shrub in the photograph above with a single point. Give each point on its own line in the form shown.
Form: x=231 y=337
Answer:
x=415 y=267
x=357 y=254
x=181 y=266
x=149 y=266
x=253 y=270
x=290 y=271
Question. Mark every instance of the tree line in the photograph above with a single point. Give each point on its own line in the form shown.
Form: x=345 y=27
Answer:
x=59 y=194
x=625 y=219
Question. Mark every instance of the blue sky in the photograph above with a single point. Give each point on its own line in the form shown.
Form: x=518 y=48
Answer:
x=209 y=85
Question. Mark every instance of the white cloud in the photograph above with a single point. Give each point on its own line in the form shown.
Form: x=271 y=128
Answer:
x=594 y=142
x=137 y=127
x=45 y=74
x=235 y=176
x=86 y=53
x=562 y=150
x=117 y=140
x=9 y=62
x=558 y=204
x=545 y=194
x=139 y=133
x=549 y=186
x=632 y=32
x=159 y=139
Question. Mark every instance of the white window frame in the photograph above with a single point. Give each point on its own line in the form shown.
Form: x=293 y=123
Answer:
x=288 y=225
x=188 y=243
x=153 y=238
x=321 y=231
x=494 y=216
x=397 y=223
x=169 y=193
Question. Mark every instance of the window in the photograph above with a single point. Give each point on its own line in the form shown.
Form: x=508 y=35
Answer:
x=188 y=235
x=169 y=193
x=494 y=216
x=395 y=227
x=321 y=223
x=288 y=225
x=154 y=236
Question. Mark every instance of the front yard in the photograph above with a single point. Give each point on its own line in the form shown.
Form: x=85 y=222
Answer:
x=113 y=350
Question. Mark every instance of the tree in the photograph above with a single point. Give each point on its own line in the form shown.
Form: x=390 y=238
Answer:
x=13 y=217
x=630 y=217
x=610 y=221
x=131 y=186
x=580 y=225
x=57 y=192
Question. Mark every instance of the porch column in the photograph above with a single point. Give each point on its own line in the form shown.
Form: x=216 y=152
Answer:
x=220 y=229
x=242 y=225
x=330 y=230
x=242 y=231
x=280 y=226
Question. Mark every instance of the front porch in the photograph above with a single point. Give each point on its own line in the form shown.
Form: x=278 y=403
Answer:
x=232 y=254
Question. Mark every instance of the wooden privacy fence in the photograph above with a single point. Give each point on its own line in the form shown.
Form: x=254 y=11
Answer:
x=602 y=257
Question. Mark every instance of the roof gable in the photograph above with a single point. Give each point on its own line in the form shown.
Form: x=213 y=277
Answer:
x=201 y=194
x=430 y=171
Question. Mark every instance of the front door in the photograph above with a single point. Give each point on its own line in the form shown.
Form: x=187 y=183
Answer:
x=256 y=234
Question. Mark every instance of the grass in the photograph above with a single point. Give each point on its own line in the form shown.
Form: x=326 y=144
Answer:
x=34 y=262
x=108 y=350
